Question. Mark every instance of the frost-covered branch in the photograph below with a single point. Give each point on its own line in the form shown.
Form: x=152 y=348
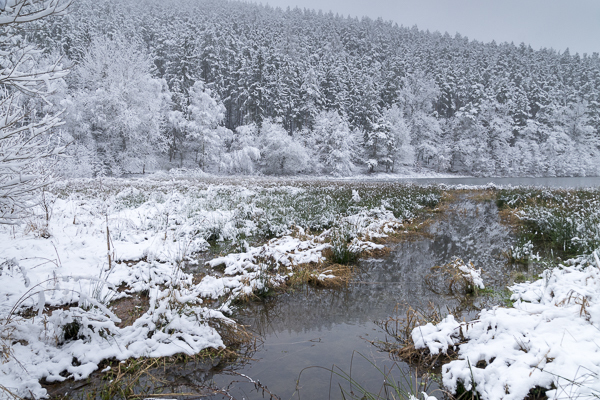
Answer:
x=22 y=147
x=23 y=11
x=24 y=139
x=18 y=67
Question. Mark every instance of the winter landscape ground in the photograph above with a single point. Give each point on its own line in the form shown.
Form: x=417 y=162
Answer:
x=91 y=243
x=167 y=164
x=97 y=241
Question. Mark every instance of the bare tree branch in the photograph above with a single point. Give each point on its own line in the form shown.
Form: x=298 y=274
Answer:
x=24 y=139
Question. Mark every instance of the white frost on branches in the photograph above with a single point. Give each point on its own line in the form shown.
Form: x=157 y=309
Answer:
x=24 y=139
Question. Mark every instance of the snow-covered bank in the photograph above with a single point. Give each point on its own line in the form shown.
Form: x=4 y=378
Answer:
x=547 y=340
x=94 y=241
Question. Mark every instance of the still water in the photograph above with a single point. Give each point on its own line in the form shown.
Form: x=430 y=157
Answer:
x=306 y=333
x=553 y=182
x=312 y=328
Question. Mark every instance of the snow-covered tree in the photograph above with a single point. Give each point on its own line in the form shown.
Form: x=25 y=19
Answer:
x=281 y=154
x=481 y=137
x=118 y=106
x=204 y=135
x=398 y=147
x=175 y=135
x=416 y=100
x=244 y=152
x=426 y=133
x=24 y=136
x=293 y=65
x=335 y=144
x=583 y=151
x=376 y=143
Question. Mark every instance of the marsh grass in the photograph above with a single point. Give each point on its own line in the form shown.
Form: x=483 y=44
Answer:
x=399 y=342
x=338 y=275
x=242 y=211
x=486 y=195
x=451 y=279
x=259 y=208
x=340 y=252
x=510 y=219
x=398 y=384
x=415 y=229
x=561 y=222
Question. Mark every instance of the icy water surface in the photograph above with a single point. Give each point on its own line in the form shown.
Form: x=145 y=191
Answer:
x=320 y=328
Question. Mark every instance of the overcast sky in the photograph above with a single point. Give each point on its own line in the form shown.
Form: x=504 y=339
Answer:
x=541 y=23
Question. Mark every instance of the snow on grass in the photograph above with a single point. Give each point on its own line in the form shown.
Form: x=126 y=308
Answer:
x=95 y=241
x=569 y=220
x=549 y=339
x=472 y=275
x=268 y=266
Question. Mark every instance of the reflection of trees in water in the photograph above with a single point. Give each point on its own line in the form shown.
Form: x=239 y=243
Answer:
x=472 y=231
x=469 y=230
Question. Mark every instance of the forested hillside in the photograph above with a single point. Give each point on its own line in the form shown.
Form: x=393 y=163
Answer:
x=232 y=87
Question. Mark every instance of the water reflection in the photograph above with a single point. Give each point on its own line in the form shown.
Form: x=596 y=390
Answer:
x=319 y=327
x=311 y=329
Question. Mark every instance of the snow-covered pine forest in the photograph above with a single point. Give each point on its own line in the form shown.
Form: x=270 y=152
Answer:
x=238 y=88
x=105 y=275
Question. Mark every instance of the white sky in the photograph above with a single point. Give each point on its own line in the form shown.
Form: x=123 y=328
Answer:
x=540 y=23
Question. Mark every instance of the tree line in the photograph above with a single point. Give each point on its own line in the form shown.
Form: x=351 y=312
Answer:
x=234 y=87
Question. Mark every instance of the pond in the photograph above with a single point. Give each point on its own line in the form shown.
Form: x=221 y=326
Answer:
x=304 y=333
x=312 y=328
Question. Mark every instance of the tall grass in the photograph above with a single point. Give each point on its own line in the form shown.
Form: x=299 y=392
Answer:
x=227 y=210
x=565 y=222
x=398 y=383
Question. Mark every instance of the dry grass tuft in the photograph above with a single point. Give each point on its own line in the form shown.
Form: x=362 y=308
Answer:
x=300 y=233
x=322 y=275
x=509 y=218
x=235 y=337
x=579 y=299
x=337 y=275
x=38 y=228
x=400 y=328
x=449 y=279
x=449 y=196
x=415 y=229
x=376 y=253
x=483 y=195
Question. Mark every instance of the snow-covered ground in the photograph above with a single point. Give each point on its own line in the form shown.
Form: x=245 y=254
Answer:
x=92 y=242
x=548 y=339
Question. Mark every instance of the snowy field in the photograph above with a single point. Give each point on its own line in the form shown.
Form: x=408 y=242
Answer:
x=229 y=87
x=92 y=242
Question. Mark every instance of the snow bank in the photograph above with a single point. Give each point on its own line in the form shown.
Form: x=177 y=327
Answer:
x=548 y=339
x=269 y=265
